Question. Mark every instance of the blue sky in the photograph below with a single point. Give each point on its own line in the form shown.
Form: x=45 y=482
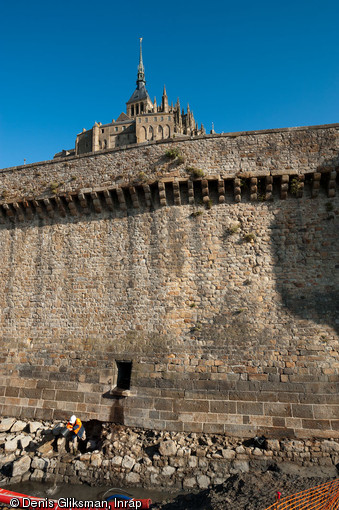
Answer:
x=243 y=65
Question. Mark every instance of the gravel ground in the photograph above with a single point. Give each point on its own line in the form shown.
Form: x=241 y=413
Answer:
x=243 y=492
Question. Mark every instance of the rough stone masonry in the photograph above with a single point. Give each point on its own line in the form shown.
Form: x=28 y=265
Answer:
x=188 y=285
x=125 y=456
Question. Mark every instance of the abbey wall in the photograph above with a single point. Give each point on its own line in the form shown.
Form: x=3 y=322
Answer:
x=187 y=285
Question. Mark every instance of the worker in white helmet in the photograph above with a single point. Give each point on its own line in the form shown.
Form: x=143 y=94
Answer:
x=78 y=432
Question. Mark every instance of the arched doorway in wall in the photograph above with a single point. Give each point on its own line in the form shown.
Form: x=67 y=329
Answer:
x=167 y=131
x=150 y=133
x=143 y=134
x=160 y=134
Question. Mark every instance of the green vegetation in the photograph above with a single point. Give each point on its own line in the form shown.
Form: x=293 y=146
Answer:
x=233 y=229
x=195 y=172
x=249 y=238
x=55 y=186
x=197 y=213
x=142 y=176
x=295 y=186
x=172 y=153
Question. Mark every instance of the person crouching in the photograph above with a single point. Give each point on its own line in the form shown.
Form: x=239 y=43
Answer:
x=78 y=432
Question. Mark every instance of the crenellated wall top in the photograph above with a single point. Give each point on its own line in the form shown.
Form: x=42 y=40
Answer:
x=254 y=154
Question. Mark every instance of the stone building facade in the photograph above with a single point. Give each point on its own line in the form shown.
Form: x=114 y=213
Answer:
x=192 y=294
x=143 y=121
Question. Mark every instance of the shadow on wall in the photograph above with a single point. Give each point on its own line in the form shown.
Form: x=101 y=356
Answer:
x=117 y=411
x=306 y=252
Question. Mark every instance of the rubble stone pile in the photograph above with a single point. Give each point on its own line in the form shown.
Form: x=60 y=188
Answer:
x=36 y=451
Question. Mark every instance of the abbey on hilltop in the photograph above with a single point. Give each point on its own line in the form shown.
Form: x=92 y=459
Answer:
x=143 y=121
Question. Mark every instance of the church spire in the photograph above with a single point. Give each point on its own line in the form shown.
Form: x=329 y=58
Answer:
x=141 y=71
x=164 y=103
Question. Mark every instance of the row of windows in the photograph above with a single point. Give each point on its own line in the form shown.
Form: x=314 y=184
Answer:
x=116 y=129
x=103 y=143
x=146 y=120
x=160 y=132
x=155 y=119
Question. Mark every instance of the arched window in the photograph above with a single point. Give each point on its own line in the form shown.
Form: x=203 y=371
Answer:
x=143 y=134
x=166 y=131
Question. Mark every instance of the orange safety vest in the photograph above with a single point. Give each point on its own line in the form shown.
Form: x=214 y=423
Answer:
x=76 y=427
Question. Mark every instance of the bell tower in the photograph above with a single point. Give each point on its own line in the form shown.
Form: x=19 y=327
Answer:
x=140 y=102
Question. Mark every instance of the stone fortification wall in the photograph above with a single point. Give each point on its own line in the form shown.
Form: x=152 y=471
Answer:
x=274 y=152
x=212 y=272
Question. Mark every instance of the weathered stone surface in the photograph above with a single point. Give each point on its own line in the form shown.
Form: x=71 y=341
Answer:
x=332 y=446
x=61 y=444
x=46 y=449
x=96 y=459
x=37 y=475
x=168 y=470
x=228 y=454
x=240 y=466
x=85 y=457
x=192 y=462
x=6 y=424
x=6 y=459
x=24 y=440
x=132 y=478
x=117 y=460
x=39 y=463
x=80 y=466
x=203 y=481
x=21 y=466
x=11 y=446
x=184 y=452
x=34 y=426
x=273 y=444
x=18 y=426
x=168 y=448
x=127 y=462
x=189 y=483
